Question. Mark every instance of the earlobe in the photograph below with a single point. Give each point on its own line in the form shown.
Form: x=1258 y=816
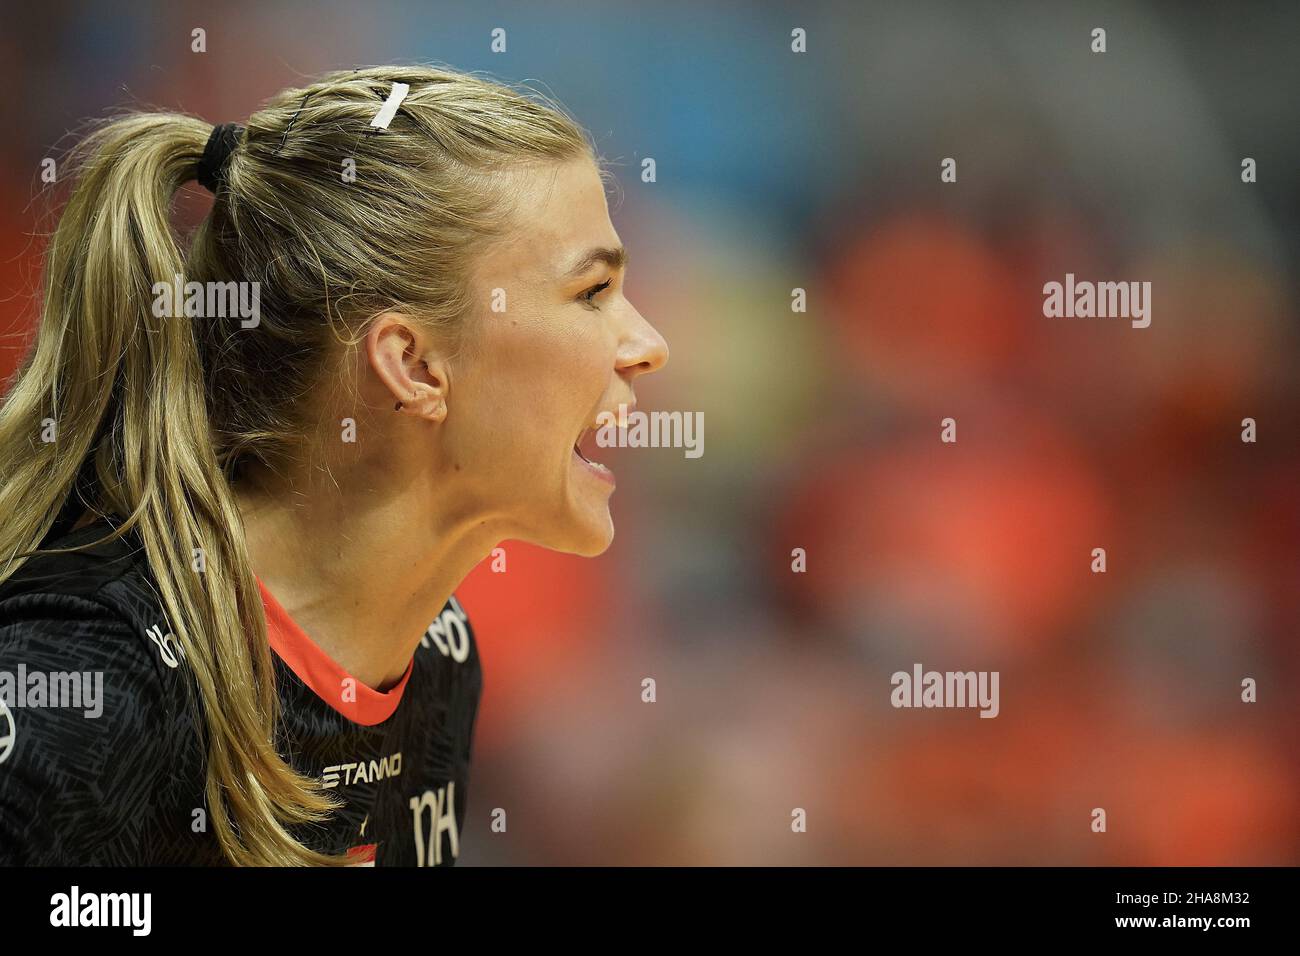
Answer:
x=425 y=402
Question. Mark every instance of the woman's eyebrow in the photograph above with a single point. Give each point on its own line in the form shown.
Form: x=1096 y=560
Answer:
x=614 y=257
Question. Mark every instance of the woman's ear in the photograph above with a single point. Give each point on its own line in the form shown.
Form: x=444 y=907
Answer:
x=408 y=364
x=431 y=408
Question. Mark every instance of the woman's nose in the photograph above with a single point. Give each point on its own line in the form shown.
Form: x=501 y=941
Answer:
x=645 y=351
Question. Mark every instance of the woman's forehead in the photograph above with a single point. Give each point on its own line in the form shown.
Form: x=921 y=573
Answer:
x=560 y=219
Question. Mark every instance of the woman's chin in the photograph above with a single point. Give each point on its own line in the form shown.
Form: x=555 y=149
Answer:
x=586 y=531
x=590 y=533
x=596 y=540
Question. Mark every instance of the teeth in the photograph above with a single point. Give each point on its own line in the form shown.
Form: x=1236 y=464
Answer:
x=577 y=448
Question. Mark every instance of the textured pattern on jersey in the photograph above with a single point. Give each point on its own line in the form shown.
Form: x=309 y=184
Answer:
x=127 y=787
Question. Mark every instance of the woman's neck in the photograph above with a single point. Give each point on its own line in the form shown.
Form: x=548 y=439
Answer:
x=363 y=574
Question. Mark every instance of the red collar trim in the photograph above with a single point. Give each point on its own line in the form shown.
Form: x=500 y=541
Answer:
x=323 y=674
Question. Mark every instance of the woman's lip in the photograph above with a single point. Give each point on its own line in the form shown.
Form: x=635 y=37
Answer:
x=594 y=469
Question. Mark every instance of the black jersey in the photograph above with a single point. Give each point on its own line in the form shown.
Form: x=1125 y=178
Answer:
x=102 y=747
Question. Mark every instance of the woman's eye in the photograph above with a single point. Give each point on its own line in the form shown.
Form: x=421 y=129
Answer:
x=588 y=296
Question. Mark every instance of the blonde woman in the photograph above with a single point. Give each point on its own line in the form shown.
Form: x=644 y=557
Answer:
x=240 y=481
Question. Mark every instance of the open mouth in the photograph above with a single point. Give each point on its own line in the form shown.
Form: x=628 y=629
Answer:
x=594 y=467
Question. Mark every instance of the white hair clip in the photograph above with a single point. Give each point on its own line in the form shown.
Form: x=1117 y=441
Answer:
x=389 y=109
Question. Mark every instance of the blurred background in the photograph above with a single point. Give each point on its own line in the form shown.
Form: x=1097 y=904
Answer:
x=820 y=171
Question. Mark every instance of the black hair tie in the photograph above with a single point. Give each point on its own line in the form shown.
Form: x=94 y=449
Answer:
x=216 y=155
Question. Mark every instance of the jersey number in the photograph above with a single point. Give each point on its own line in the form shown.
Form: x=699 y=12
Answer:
x=441 y=819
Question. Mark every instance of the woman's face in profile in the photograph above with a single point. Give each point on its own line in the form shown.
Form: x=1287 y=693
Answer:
x=555 y=343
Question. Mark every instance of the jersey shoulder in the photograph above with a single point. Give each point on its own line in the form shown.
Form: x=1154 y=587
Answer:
x=91 y=599
x=83 y=706
x=82 y=566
